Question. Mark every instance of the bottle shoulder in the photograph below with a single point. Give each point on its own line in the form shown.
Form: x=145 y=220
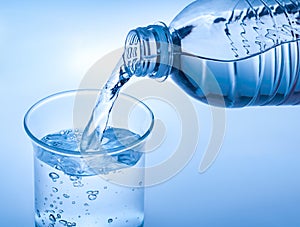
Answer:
x=236 y=29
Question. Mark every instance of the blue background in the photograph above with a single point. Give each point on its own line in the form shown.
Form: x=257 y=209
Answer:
x=46 y=47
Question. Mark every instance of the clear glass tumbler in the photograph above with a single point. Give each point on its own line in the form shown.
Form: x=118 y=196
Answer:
x=87 y=189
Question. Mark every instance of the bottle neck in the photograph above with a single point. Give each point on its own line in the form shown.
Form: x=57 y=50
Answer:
x=149 y=52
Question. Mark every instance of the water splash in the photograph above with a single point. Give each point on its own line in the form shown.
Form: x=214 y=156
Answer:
x=93 y=133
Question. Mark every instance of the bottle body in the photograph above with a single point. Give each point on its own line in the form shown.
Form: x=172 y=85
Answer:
x=235 y=53
x=271 y=78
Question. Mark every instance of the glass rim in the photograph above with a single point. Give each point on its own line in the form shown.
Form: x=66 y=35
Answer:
x=57 y=150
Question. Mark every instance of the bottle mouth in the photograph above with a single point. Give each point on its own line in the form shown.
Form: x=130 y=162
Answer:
x=132 y=53
x=148 y=52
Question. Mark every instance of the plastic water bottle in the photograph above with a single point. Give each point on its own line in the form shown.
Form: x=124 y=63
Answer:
x=225 y=53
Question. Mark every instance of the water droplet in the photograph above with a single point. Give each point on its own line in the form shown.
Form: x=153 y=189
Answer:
x=126 y=221
x=110 y=220
x=66 y=196
x=60 y=211
x=51 y=205
x=105 y=187
x=52 y=218
x=53 y=176
x=140 y=183
x=51 y=225
x=61 y=203
x=58 y=216
x=86 y=204
x=54 y=189
x=46 y=198
x=73 y=202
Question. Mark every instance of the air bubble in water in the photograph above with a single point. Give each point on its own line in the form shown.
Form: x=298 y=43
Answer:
x=110 y=220
x=66 y=196
x=54 y=189
x=74 y=178
x=76 y=181
x=52 y=218
x=50 y=211
x=38 y=213
x=77 y=184
x=53 y=176
x=92 y=195
x=63 y=222
x=57 y=167
x=93 y=192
